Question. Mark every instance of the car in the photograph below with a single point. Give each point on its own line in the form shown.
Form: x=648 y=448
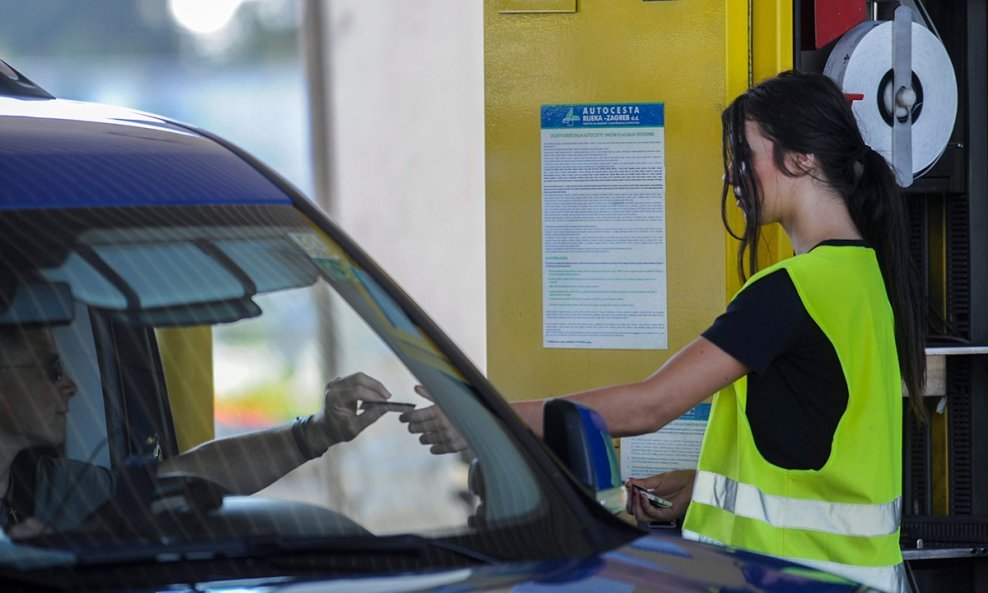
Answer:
x=162 y=291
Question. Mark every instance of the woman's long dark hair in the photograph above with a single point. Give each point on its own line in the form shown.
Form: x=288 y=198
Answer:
x=807 y=113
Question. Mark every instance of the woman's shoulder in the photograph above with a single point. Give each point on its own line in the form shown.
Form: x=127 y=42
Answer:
x=771 y=270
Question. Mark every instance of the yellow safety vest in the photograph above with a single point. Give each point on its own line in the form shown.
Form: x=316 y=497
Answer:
x=843 y=518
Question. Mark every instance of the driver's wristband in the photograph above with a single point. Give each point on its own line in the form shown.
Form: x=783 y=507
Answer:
x=301 y=443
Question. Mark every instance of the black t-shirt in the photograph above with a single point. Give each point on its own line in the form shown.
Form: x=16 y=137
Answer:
x=796 y=388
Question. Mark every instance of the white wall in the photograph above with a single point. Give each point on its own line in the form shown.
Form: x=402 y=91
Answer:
x=406 y=89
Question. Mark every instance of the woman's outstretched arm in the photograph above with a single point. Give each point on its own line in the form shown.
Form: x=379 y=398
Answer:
x=694 y=373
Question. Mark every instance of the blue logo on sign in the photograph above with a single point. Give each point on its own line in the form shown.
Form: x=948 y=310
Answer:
x=571 y=118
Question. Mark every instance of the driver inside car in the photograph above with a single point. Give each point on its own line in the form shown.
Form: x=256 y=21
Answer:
x=57 y=494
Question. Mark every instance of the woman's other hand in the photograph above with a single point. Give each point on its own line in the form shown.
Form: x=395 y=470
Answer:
x=675 y=486
x=433 y=426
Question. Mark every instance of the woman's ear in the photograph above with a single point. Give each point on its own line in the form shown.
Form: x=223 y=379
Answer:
x=801 y=163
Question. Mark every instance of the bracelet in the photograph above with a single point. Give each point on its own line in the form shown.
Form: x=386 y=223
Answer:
x=300 y=443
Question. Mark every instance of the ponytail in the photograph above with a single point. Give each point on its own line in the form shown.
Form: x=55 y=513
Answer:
x=878 y=210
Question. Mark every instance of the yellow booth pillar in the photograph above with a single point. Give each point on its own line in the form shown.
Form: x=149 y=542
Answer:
x=691 y=56
x=187 y=363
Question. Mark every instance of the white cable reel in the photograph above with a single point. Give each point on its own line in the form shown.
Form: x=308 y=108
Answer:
x=903 y=90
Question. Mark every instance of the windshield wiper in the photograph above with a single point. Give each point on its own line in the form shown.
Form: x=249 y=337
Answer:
x=406 y=543
x=255 y=546
x=163 y=552
x=325 y=554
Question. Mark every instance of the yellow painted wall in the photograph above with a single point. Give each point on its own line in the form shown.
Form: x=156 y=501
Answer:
x=691 y=55
x=767 y=29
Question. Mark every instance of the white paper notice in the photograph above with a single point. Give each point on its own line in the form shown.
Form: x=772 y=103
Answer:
x=603 y=226
x=674 y=446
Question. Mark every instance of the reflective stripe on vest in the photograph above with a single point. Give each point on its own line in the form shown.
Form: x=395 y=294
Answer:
x=891 y=579
x=746 y=500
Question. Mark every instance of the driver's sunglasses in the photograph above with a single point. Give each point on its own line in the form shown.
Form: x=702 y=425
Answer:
x=54 y=370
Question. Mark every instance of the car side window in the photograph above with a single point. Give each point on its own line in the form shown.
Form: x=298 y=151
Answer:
x=86 y=438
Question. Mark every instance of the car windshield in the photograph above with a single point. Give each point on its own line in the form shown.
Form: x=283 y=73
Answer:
x=132 y=336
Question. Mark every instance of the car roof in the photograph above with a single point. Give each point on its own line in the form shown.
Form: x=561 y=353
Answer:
x=56 y=153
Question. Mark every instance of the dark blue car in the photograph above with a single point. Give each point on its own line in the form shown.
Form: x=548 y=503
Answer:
x=161 y=292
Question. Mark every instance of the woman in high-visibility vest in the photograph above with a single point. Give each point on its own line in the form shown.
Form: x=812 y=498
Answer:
x=802 y=454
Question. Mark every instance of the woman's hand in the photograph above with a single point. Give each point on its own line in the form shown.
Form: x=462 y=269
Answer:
x=675 y=486
x=338 y=421
x=435 y=428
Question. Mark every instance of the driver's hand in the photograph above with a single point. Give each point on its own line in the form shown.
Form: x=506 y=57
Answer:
x=338 y=421
x=433 y=426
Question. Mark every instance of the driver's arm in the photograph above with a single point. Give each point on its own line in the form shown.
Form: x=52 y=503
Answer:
x=246 y=463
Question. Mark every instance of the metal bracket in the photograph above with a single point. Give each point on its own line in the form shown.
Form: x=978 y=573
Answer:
x=903 y=97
